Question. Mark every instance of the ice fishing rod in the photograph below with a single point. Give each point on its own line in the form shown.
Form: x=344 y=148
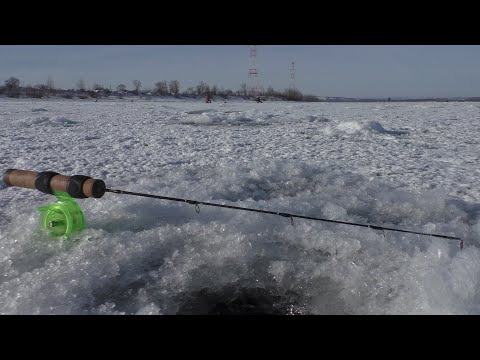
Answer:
x=65 y=216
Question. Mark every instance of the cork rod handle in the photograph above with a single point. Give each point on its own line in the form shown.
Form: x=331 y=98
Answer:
x=78 y=186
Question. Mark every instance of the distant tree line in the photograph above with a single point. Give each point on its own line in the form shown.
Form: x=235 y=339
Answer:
x=13 y=88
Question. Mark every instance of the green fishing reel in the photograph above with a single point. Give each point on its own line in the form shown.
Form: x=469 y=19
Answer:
x=63 y=217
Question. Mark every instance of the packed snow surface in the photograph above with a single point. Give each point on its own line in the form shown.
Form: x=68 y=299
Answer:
x=409 y=166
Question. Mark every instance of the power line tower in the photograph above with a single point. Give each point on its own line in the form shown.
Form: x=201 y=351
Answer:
x=252 y=71
x=292 y=76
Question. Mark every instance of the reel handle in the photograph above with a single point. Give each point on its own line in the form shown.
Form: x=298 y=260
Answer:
x=77 y=186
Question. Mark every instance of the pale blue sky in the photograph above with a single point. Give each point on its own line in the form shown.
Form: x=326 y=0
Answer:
x=324 y=70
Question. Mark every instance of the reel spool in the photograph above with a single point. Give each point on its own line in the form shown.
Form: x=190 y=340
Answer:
x=63 y=217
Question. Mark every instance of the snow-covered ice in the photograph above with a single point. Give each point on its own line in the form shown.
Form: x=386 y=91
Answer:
x=403 y=165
